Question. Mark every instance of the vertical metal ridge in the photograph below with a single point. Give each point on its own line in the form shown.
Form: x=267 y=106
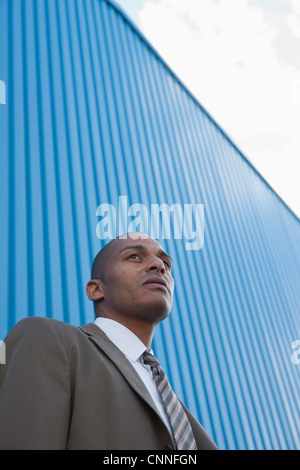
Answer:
x=111 y=126
x=5 y=169
x=76 y=179
x=123 y=105
x=11 y=301
x=95 y=153
x=144 y=124
x=43 y=176
x=29 y=247
x=60 y=225
x=108 y=183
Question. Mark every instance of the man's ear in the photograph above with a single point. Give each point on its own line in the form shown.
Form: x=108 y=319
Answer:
x=94 y=289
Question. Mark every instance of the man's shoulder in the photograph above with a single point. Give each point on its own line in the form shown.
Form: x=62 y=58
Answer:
x=41 y=323
x=42 y=327
x=42 y=335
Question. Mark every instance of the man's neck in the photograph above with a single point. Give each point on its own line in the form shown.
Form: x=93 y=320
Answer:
x=143 y=329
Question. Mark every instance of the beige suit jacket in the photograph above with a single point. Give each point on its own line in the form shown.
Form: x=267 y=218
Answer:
x=65 y=387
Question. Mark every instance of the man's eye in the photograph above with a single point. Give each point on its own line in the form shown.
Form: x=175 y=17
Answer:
x=134 y=256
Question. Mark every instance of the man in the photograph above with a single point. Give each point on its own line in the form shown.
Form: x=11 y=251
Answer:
x=99 y=386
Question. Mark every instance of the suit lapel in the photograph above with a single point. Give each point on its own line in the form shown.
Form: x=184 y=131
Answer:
x=121 y=362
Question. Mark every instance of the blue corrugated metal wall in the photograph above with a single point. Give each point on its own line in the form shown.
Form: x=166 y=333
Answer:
x=93 y=113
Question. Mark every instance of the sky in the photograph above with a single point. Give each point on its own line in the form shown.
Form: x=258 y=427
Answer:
x=241 y=60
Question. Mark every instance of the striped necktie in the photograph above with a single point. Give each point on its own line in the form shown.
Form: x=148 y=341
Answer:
x=182 y=431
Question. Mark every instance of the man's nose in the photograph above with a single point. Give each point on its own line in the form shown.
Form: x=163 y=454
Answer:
x=156 y=263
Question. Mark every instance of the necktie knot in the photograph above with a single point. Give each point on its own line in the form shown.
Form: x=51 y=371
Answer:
x=151 y=361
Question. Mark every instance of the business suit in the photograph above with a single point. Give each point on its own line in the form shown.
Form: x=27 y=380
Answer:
x=66 y=387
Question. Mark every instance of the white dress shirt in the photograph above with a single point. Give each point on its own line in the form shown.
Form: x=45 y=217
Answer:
x=133 y=348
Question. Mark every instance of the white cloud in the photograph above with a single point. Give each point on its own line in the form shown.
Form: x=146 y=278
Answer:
x=240 y=58
x=295 y=5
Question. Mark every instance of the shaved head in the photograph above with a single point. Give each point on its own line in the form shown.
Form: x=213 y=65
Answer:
x=100 y=261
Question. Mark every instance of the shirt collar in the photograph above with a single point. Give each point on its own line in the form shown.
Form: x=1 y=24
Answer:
x=122 y=337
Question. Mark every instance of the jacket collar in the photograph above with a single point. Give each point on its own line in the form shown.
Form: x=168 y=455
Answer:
x=121 y=362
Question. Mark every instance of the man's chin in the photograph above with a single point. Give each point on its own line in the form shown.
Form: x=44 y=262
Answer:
x=156 y=310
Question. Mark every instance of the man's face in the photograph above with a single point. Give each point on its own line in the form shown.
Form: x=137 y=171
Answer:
x=138 y=281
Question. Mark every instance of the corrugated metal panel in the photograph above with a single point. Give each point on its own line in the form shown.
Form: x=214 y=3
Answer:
x=93 y=113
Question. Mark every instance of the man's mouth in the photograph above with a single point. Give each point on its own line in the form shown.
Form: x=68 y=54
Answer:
x=157 y=282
